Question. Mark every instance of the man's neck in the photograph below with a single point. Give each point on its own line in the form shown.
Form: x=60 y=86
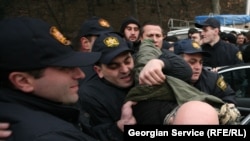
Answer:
x=216 y=40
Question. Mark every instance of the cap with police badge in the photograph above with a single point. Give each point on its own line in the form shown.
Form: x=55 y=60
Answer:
x=110 y=45
x=94 y=26
x=209 y=22
x=188 y=46
x=29 y=43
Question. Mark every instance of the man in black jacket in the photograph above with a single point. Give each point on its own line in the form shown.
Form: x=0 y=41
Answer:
x=39 y=75
x=156 y=104
x=221 y=52
x=103 y=96
x=203 y=79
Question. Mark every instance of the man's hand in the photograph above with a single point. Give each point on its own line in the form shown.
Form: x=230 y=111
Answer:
x=4 y=132
x=215 y=69
x=152 y=73
x=127 y=117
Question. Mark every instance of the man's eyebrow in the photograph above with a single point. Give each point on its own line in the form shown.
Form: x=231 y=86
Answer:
x=112 y=63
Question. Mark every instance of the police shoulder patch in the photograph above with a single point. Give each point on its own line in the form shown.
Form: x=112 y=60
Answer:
x=221 y=83
x=59 y=36
x=239 y=55
x=111 y=41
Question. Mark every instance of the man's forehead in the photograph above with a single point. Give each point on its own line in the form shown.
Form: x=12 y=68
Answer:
x=121 y=57
x=152 y=29
x=132 y=25
x=207 y=27
x=195 y=35
x=193 y=56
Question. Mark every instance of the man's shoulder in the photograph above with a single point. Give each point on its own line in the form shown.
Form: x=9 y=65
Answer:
x=226 y=44
x=209 y=75
x=33 y=123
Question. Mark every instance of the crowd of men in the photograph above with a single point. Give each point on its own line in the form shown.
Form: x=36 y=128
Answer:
x=91 y=87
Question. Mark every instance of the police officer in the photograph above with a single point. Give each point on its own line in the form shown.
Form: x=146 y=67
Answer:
x=39 y=81
x=204 y=79
x=153 y=102
x=221 y=53
x=90 y=29
x=153 y=107
x=103 y=96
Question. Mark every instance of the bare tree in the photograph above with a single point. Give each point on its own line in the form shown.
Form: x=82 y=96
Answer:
x=52 y=13
x=91 y=7
x=133 y=4
x=216 y=6
x=158 y=11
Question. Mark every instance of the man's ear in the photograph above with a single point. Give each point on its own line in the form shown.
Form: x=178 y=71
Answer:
x=98 y=70
x=22 y=81
x=84 y=43
x=218 y=30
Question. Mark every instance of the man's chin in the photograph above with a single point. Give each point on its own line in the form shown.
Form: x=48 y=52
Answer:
x=126 y=85
x=194 y=79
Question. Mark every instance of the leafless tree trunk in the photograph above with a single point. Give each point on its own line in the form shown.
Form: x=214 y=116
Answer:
x=63 y=19
x=134 y=8
x=91 y=7
x=53 y=15
x=158 y=11
x=216 y=6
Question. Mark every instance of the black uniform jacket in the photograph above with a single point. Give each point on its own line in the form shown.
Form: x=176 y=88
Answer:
x=222 y=54
x=103 y=102
x=212 y=83
x=36 y=119
x=89 y=74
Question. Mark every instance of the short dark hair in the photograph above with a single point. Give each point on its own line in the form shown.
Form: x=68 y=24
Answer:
x=171 y=38
x=150 y=23
x=248 y=35
x=233 y=32
x=4 y=77
x=192 y=30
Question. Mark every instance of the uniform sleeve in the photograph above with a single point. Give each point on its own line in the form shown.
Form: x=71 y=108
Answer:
x=106 y=129
x=66 y=135
x=176 y=66
x=245 y=54
x=215 y=84
x=238 y=55
x=147 y=51
x=108 y=132
x=224 y=90
x=102 y=123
